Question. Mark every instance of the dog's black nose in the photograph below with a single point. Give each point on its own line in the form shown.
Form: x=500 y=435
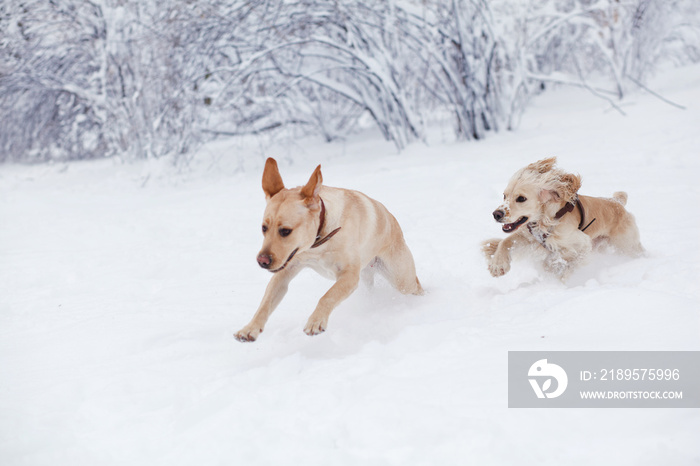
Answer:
x=498 y=215
x=264 y=261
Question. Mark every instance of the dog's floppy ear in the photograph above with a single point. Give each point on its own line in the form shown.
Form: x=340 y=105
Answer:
x=569 y=186
x=271 y=180
x=543 y=166
x=310 y=192
x=564 y=188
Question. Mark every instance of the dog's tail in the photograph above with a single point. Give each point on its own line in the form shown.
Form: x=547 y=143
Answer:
x=620 y=197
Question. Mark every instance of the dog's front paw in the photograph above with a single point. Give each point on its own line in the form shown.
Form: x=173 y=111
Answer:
x=498 y=268
x=248 y=333
x=558 y=266
x=315 y=326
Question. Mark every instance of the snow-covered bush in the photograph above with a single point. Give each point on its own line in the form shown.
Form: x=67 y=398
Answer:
x=82 y=79
x=467 y=69
x=617 y=41
x=156 y=53
x=52 y=102
x=319 y=66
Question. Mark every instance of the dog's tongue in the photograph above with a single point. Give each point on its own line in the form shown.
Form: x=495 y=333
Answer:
x=508 y=227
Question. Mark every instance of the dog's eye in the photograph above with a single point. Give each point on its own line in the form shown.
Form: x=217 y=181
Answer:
x=264 y=229
x=520 y=199
x=284 y=232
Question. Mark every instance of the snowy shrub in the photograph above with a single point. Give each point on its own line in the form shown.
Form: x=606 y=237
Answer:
x=82 y=80
x=51 y=97
x=320 y=66
x=469 y=66
x=156 y=51
x=573 y=41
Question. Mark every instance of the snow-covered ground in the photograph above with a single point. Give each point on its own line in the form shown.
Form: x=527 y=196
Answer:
x=122 y=284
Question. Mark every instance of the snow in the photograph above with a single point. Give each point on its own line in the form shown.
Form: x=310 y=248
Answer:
x=122 y=285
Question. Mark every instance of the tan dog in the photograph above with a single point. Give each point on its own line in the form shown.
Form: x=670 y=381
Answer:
x=336 y=232
x=542 y=205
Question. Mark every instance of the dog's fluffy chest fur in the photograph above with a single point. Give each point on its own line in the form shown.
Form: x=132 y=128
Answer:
x=326 y=268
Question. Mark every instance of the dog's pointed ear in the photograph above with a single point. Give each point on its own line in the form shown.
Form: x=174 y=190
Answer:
x=271 y=180
x=543 y=166
x=311 y=191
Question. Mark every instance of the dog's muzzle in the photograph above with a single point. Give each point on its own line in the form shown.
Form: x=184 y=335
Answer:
x=265 y=261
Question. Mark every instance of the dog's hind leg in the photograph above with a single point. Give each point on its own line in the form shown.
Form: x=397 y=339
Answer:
x=367 y=274
x=398 y=267
x=627 y=242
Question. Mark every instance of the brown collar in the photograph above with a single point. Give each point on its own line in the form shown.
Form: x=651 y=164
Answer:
x=319 y=241
x=569 y=207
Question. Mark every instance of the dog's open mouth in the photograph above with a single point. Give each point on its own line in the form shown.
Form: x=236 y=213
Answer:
x=286 y=262
x=511 y=227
